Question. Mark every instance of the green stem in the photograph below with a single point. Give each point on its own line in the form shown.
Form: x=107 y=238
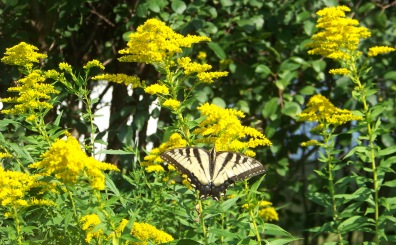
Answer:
x=202 y=220
x=372 y=153
x=87 y=102
x=331 y=185
x=251 y=214
x=41 y=128
x=17 y=225
x=72 y=202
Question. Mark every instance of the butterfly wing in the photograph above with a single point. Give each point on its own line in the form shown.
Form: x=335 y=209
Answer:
x=230 y=167
x=195 y=163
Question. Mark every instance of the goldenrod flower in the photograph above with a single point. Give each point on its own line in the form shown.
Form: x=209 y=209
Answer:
x=154 y=42
x=65 y=67
x=157 y=89
x=201 y=55
x=146 y=232
x=22 y=54
x=192 y=67
x=5 y=155
x=320 y=109
x=310 y=143
x=134 y=81
x=171 y=103
x=33 y=95
x=15 y=187
x=374 y=51
x=94 y=63
x=339 y=71
x=153 y=160
x=223 y=128
x=154 y=168
x=268 y=214
x=340 y=35
x=207 y=77
x=89 y=222
x=68 y=162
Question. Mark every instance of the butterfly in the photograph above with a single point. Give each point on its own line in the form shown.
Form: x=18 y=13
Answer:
x=211 y=172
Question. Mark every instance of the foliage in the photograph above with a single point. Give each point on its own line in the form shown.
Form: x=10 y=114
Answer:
x=262 y=46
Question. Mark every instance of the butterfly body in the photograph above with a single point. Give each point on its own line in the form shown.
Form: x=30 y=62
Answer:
x=211 y=172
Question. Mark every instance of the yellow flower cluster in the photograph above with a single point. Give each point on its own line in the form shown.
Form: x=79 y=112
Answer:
x=94 y=63
x=33 y=95
x=22 y=54
x=340 y=36
x=154 y=42
x=89 y=222
x=201 y=55
x=374 y=51
x=224 y=130
x=207 y=77
x=65 y=67
x=146 y=232
x=266 y=210
x=339 y=71
x=310 y=143
x=156 y=89
x=67 y=161
x=171 y=103
x=320 y=109
x=153 y=160
x=192 y=67
x=15 y=187
x=134 y=81
x=5 y=155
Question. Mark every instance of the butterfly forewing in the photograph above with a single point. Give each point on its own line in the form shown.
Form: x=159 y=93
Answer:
x=234 y=167
x=194 y=162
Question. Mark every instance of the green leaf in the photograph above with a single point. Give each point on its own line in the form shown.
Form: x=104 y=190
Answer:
x=270 y=108
x=178 y=6
x=387 y=151
x=154 y=6
x=272 y=229
x=263 y=69
x=219 y=101
x=115 y=152
x=291 y=109
x=224 y=233
x=390 y=76
x=186 y=242
x=141 y=11
x=226 y=205
x=110 y=184
x=243 y=106
x=391 y=183
x=217 y=50
x=308 y=90
x=353 y=223
x=226 y=3
x=281 y=241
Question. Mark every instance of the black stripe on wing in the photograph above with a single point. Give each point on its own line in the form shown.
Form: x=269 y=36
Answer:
x=194 y=162
x=232 y=167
